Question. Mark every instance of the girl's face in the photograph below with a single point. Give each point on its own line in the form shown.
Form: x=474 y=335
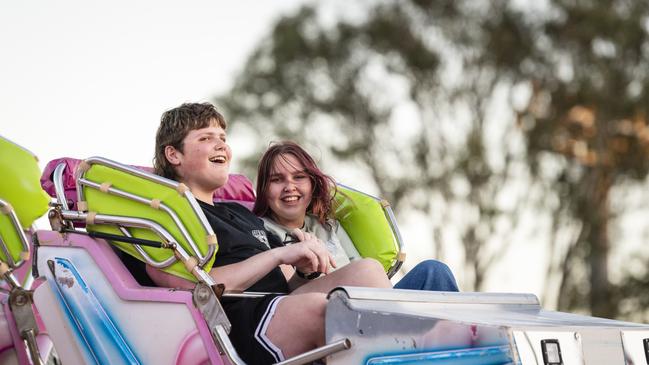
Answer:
x=289 y=191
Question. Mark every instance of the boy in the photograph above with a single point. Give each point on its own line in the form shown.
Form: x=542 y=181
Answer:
x=191 y=148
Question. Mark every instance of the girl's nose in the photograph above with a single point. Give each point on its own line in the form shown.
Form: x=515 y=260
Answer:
x=289 y=186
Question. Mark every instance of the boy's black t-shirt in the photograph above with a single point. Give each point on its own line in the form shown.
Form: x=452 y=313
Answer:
x=241 y=235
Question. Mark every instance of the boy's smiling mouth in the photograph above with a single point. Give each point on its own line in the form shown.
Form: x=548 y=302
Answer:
x=218 y=159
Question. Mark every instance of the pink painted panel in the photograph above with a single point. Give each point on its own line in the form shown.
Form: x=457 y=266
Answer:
x=125 y=285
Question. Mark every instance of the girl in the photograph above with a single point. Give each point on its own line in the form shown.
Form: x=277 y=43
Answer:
x=293 y=193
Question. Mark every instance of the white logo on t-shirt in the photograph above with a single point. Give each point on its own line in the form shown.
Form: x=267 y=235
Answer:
x=261 y=236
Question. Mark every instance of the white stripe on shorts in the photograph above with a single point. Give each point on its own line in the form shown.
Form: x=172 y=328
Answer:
x=260 y=332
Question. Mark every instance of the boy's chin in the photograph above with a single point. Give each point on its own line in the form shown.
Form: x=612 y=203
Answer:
x=221 y=181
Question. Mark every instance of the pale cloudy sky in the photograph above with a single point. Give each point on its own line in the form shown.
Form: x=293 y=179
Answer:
x=82 y=78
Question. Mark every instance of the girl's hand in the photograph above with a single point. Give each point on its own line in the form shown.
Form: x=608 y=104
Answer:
x=300 y=235
x=325 y=257
x=308 y=255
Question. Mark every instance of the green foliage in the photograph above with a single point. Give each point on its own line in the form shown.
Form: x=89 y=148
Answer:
x=590 y=92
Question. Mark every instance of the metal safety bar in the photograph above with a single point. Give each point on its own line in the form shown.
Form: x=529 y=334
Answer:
x=138 y=248
x=5 y=250
x=393 y=224
x=202 y=259
x=160 y=180
x=179 y=251
x=60 y=195
x=318 y=353
x=226 y=346
x=59 y=189
x=19 y=231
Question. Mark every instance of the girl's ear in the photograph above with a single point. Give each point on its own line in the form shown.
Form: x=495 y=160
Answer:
x=173 y=155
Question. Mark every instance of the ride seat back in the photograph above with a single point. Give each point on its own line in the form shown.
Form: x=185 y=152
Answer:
x=106 y=187
x=22 y=201
x=370 y=224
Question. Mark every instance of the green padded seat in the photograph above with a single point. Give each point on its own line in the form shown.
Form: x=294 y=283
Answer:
x=151 y=191
x=22 y=200
x=365 y=220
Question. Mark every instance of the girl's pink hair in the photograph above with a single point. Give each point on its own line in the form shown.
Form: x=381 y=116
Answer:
x=322 y=197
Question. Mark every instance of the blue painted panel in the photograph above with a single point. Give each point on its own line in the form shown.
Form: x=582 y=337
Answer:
x=101 y=337
x=492 y=355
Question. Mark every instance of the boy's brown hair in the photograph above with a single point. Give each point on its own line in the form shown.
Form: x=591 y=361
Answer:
x=175 y=124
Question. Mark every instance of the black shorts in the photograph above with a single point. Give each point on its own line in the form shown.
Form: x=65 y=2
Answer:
x=250 y=318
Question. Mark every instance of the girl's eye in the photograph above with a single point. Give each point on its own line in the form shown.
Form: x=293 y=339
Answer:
x=300 y=177
x=274 y=179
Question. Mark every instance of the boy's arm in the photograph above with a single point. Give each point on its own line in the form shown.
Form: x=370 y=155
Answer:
x=241 y=275
x=294 y=281
x=307 y=255
x=162 y=279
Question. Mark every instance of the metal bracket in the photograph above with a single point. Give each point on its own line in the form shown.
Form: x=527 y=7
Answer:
x=57 y=222
x=206 y=299
x=20 y=303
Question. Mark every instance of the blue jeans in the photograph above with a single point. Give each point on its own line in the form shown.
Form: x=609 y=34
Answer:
x=429 y=275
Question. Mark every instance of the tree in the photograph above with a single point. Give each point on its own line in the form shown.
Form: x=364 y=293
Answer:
x=342 y=88
x=452 y=105
x=585 y=65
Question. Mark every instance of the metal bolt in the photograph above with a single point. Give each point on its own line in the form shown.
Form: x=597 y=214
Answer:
x=203 y=295
x=20 y=300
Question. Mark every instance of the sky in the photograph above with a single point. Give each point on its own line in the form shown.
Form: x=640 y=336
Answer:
x=84 y=78
x=81 y=79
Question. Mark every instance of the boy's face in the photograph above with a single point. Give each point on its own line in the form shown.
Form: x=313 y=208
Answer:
x=204 y=163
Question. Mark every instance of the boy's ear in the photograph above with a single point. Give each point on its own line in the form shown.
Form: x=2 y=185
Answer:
x=172 y=155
